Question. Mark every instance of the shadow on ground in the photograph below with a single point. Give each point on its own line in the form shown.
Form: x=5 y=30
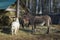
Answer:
x=26 y=30
x=6 y=30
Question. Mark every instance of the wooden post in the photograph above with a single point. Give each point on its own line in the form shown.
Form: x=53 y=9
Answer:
x=42 y=4
x=37 y=6
x=17 y=9
x=30 y=4
x=51 y=5
x=40 y=12
x=27 y=3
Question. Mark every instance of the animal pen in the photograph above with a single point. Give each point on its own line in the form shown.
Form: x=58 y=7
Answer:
x=38 y=19
x=38 y=8
x=43 y=7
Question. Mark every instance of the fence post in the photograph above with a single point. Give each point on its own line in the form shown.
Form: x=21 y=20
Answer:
x=17 y=9
x=40 y=12
x=27 y=3
x=30 y=4
x=50 y=6
x=37 y=6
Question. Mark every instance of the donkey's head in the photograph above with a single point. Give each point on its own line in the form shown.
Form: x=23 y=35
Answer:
x=26 y=19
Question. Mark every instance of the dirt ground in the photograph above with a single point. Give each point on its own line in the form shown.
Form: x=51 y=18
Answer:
x=27 y=36
x=23 y=35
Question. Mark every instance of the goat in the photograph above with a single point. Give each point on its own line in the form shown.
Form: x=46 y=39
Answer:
x=15 y=26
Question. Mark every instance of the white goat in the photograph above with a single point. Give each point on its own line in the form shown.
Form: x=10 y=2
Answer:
x=15 y=26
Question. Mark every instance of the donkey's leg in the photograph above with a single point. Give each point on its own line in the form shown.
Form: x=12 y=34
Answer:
x=33 y=28
x=48 y=24
x=22 y=26
x=27 y=25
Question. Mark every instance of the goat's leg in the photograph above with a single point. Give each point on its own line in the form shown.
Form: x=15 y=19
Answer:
x=12 y=31
x=15 y=32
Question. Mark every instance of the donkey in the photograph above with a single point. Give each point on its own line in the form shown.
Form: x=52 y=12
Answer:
x=42 y=20
x=34 y=20
x=24 y=21
x=15 y=26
